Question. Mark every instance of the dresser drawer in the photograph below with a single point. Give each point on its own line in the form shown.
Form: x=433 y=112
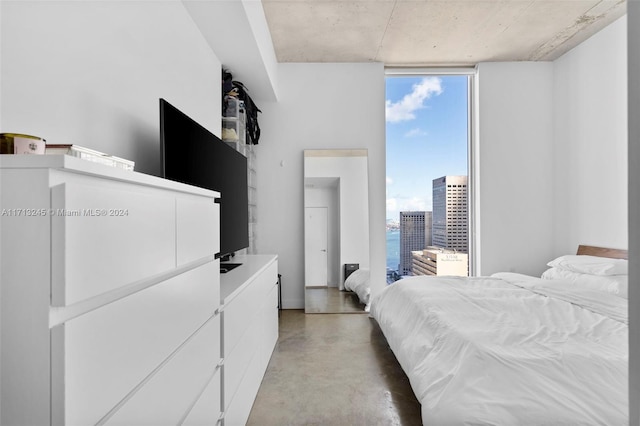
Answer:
x=238 y=409
x=107 y=236
x=270 y=325
x=236 y=362
x=255 y=349
x=99 y=357
x=207 y=410
x=172 y=392
x=240 y=312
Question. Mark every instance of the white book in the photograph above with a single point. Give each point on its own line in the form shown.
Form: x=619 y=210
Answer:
x=89 y=155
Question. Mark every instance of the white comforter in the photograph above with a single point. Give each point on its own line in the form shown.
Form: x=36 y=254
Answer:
x=358 y=282
x=509 y=350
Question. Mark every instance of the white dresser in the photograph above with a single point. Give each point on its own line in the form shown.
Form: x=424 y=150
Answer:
x=110 y=297
x=249 y=297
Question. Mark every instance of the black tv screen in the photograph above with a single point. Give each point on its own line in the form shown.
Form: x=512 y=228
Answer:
x=193 y=155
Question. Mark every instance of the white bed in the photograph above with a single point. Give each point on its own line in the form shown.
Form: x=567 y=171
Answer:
x=358 y=282
x=510 y=349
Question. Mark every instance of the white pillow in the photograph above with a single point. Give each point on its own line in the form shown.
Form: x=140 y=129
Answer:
x=615 y=284
x=592 y=265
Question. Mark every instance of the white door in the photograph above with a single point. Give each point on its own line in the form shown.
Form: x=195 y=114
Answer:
x=315 y=246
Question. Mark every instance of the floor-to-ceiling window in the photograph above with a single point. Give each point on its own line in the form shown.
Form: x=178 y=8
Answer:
x=428 y=184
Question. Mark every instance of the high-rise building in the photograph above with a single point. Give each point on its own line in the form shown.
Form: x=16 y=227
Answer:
x=450 y=213
x=415 y=234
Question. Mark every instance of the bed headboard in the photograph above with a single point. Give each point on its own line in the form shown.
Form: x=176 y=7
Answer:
x=603 y=252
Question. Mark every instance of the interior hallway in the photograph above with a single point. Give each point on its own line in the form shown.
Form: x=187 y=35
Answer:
x=333 y=369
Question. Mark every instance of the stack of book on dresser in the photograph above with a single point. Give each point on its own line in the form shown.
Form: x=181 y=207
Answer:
x=90 y=155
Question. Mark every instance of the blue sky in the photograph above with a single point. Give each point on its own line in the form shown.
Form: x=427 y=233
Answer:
x=426 y=124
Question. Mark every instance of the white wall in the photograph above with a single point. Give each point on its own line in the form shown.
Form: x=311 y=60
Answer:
x=590 y=150
x=552 y=154
x=515 y=152
x=1 y=47
x=321 y=106
x=633 y=11
x=91 y=73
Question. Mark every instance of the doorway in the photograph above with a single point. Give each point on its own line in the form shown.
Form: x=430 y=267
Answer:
x=316 y=264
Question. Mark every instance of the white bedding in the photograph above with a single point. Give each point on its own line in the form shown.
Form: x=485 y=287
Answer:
x=509 y=349
x=358 y=282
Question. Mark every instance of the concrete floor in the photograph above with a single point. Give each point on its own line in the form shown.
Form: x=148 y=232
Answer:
x=330 y=300
x=333 y=369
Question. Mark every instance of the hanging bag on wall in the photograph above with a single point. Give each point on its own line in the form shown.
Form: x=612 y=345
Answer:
x=237 y=89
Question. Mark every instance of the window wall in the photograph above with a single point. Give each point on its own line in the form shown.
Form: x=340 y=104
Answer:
x=428 y=161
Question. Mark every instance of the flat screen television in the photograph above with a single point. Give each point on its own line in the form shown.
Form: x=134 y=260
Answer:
x=191 y=154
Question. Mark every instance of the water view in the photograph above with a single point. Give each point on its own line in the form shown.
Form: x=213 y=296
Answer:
x=393 y=249
x=393 y=254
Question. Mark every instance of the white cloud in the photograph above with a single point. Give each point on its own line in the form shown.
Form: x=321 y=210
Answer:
x=403 y=110
x=415 y=132
x=392 y=204
x=414 y=204
x=406 y=204
x=389 y=181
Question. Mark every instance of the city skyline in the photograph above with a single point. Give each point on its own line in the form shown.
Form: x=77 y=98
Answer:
x=415 y=234
x=426 y=130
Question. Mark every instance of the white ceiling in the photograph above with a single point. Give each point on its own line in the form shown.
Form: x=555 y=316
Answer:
x=433 y=32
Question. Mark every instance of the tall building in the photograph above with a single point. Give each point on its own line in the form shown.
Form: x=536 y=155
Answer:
x=438 y=261
x=450 y=213
x=415 y=234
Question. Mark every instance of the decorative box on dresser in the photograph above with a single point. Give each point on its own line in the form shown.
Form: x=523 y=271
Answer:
x=110 y=296
x=249 y=297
